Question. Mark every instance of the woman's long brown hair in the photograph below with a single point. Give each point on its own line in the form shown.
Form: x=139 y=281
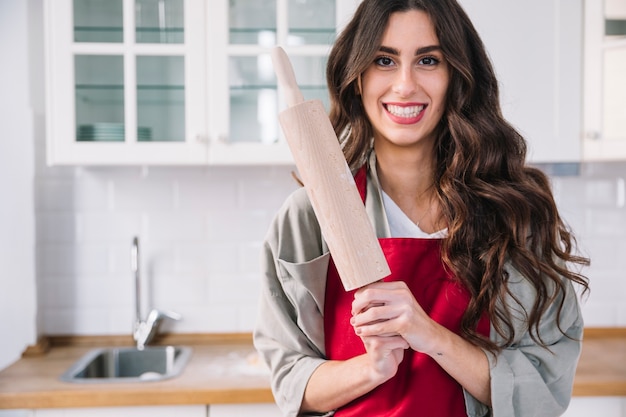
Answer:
x=497 y=209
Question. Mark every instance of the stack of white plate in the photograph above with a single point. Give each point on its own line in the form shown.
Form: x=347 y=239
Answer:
x=109 y=132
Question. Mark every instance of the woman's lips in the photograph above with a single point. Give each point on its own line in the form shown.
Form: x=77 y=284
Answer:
x=405 y=113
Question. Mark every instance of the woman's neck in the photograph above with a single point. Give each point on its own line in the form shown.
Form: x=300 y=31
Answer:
x=408 y=179
x=405 y=173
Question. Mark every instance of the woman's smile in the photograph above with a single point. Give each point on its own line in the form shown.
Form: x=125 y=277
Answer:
x=405 y=113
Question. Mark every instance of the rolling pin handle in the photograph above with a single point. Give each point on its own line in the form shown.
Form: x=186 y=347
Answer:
x=286 y=77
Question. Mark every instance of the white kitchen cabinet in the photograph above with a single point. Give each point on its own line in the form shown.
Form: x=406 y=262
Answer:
x=138 y=411
x=536 y=48
x=125 y=82
x=246 y=101
x=598 y=406
x=191 y=81
x=605 y=83
x=178 y=82
x=237 y=410
x=215 y=410
x=17 y=413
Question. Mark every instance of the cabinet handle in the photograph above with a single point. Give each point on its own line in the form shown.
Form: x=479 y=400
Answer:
x=593 y=135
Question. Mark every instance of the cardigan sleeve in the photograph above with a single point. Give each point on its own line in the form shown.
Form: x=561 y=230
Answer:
x=528 y=379
x=289 y=331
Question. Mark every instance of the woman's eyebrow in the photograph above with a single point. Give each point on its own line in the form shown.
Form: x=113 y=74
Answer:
x=419 y=51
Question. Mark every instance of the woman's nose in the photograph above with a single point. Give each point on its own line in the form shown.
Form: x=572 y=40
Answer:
x=405 y=82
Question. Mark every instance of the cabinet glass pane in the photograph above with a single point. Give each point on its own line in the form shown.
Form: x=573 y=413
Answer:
x=254 y=96
x=160 y=98
x=615 y=27
x=253 y=99
x=614 y=68
x=99 y=94
x=311 y=22
x=252 y=22
x=159 y=21
x=311 y=76
x=98 y=21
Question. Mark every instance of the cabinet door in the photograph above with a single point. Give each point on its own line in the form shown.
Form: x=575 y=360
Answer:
x=139 y=411
x=250 y=410
x=605 y=83
x=536 y=48
x=125 y=81
x=599 y=406
x=244 y=100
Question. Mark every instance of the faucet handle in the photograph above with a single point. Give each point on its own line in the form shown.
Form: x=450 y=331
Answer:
x=157 y=315
x=146 y=330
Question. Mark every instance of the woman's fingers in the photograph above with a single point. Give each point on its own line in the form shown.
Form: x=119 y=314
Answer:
x=371 y=314
x=389 y=309
x=385 y=354
x=384 y=344
x=379 y=302
x=369 y=296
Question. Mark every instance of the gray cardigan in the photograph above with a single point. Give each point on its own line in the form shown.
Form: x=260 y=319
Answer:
x=526 y=379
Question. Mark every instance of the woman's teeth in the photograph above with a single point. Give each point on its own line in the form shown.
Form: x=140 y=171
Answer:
x=404 y=111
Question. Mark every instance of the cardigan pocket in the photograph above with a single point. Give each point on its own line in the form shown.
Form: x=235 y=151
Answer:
x=305 y=279
x=304 y=284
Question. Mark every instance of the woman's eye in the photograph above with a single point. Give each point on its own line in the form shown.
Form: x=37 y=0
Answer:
x=429 y=60
x=384 y=61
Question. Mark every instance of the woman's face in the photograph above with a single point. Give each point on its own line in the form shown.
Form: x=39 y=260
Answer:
x=404 y=88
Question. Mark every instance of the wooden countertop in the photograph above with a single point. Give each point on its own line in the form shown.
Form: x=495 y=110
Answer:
x=602 y=367
x=214 y=374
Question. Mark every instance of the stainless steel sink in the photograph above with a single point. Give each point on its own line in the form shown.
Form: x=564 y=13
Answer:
x=128 y=364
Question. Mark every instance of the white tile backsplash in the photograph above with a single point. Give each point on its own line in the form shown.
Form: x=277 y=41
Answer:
x=201 y=231
x=593 y=205
x=106 y=226
x=144 y=194
x=170 y=226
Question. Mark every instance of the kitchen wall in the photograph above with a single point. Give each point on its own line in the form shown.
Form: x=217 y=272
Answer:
x=17 y=182
x=593 y=203
x=200 y=233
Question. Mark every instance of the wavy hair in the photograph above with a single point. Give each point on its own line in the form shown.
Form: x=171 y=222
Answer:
x=497 y=209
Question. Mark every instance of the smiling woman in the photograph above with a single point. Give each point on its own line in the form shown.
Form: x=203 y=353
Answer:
x=479 y=315
x=404 y=89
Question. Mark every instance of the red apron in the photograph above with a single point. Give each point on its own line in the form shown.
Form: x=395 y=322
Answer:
x=420 y=387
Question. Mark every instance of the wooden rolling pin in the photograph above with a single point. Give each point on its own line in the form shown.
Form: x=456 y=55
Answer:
x=329 y=183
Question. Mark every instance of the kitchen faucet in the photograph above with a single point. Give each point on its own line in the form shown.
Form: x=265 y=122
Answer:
x=145 y=330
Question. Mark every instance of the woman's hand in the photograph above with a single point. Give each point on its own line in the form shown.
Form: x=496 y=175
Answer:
x=388 y=310
x=384 y=354
x=389 y=320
